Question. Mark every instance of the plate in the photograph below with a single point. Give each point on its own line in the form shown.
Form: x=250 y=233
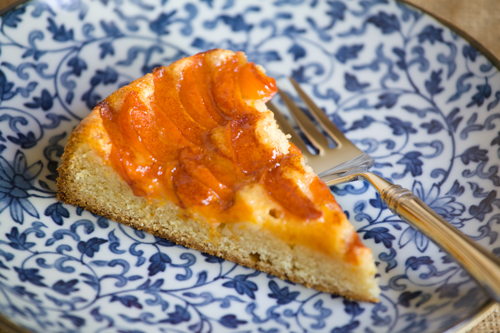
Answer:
x=406 y=89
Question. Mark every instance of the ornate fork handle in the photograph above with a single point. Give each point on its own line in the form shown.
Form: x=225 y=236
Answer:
x=484 y=266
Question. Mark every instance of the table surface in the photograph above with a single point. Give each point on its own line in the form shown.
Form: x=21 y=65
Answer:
x=480 y=21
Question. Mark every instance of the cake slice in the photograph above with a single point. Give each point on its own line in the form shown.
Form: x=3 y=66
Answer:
x=191 y=153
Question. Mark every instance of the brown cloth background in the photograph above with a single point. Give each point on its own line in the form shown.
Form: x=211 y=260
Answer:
x=480 y=20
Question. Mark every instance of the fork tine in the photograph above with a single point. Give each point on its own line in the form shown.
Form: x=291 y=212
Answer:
x=313 y=134
x=288 y=129
x=322 y=118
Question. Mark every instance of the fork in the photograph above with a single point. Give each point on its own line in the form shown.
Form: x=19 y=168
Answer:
x=350 y=163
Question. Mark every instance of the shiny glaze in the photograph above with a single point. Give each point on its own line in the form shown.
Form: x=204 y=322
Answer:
x=196 y=145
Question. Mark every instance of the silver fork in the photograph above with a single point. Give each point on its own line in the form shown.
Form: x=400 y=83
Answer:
x=350 y=163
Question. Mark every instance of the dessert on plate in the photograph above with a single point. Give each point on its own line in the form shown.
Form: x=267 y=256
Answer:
x=191 y=153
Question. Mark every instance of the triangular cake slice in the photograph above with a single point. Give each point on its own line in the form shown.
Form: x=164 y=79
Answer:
x=191 y=153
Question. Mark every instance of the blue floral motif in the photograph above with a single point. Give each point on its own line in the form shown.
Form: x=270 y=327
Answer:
x=352 y=83
x=432 y=85
x=15 y=184
x=231 y=321
x=283 y=295
x=483 y=92
x=403 y=87
x=345 y=53
x=65 y=288
x=242 y=285
x=90 y=247
x=380 y=235
x=387 y=23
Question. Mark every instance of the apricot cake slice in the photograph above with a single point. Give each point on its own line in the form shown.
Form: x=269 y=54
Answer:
x=191 y=153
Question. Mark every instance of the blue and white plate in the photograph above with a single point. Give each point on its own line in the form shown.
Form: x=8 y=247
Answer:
x=405 y=89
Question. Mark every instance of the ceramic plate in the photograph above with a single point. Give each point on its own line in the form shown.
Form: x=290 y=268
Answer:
x=403 y=87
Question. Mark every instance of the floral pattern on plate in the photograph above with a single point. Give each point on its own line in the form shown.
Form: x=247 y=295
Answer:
x=404 y=88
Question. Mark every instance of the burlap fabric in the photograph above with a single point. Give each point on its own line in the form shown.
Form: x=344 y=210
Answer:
x=491 y=324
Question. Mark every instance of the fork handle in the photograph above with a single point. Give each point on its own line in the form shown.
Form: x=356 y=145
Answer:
x=481 y=264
